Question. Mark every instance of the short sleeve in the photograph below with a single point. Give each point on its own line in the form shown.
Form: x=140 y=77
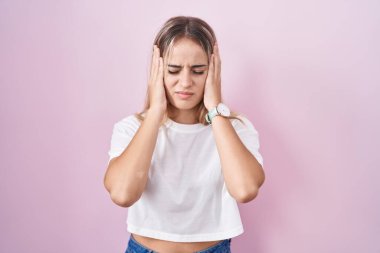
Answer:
x=249 y=137
x=122 y=134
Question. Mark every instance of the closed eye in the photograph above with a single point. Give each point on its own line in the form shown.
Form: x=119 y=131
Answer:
x=195 y=72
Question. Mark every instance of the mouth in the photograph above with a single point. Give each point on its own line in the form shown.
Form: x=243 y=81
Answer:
x=184 y=95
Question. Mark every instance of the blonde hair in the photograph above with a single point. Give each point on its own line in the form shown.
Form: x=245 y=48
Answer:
x=172 y=30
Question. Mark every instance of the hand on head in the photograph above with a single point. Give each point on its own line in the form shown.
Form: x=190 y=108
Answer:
x=157 y=97
x=213 y=93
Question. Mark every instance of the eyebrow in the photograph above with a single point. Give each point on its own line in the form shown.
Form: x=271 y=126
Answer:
x=194 y=66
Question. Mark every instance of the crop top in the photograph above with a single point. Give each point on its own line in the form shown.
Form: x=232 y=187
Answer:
x=185 y=198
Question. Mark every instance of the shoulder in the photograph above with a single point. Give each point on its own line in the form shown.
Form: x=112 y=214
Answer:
x=129 y=122
x=243 y=124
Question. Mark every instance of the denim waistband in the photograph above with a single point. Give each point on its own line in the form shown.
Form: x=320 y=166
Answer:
x=221 y=247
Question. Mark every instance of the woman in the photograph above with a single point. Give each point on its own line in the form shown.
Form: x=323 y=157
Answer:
x=181 y=164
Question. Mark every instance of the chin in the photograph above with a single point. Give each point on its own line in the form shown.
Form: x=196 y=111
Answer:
x=185 y=105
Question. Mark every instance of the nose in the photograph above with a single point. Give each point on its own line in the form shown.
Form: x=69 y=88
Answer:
x=185 y=79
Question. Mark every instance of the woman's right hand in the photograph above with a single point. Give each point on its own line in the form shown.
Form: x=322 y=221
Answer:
x=157 y=96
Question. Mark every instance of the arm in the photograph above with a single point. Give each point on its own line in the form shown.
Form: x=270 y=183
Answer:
x=243 y=174
x=127 y=174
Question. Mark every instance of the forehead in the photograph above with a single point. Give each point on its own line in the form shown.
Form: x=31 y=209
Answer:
x=186 y=51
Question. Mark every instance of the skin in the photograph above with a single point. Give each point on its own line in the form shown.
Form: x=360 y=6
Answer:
x=242 y=173
x=185 y=69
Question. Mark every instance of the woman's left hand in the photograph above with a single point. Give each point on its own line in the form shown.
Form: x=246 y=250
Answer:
x=213 y=93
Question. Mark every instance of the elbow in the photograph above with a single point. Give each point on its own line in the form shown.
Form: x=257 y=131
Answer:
x=250 y=192
x=247 y=196
x=121 y=199
x=117 y=195
x=262 y=178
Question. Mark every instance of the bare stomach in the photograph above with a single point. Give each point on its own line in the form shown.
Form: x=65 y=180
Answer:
x=173 y=247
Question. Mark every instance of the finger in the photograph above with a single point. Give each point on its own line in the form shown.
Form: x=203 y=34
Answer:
x=161 y=69
x=211 y=65
x=215 y=67
x=216 y=49
x=157 y=64
x=151 y=59
x=210 y=72
x=217 y=60
x=153 y=63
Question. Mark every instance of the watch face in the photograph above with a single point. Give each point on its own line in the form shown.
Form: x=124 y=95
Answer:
x=223 y=110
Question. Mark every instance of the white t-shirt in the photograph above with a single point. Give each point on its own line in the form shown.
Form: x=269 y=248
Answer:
x=185 y=199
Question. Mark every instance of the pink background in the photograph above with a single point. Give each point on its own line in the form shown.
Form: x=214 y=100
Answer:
x=305 y=72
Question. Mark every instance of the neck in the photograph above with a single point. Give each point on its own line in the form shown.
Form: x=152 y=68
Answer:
x=183 y=116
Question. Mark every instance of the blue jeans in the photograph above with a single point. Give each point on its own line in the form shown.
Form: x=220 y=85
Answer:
x=136 y=247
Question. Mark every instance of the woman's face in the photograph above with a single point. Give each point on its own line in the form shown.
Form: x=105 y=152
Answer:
x=185 y=70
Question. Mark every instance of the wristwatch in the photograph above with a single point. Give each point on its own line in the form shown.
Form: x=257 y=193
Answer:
x=219 y=110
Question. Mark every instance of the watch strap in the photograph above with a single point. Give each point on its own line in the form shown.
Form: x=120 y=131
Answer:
x=211 y=114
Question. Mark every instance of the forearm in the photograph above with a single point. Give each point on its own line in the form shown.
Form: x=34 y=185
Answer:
x=243 y=174
x=127 y=174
